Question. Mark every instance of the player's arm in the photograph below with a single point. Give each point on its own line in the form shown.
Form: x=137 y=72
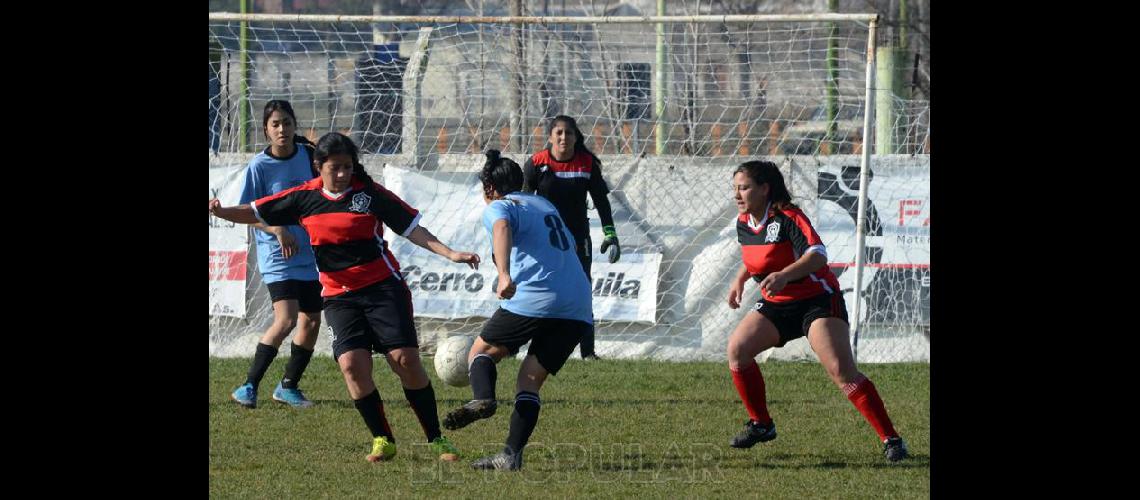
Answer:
x=602 y=203
x=284 y=237
x=253 y=189
x=808 y=263
x=423 y=238
x=736 y=289
x=807 y=243
x=241 y=214
x=501 y=243
x=598 y=191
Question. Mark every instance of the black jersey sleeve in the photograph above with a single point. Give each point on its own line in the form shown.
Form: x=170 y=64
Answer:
x=280 y=209
x=598 y=185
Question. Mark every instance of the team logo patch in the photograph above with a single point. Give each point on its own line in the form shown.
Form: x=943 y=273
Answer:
x=773 y=232
x=360 y=203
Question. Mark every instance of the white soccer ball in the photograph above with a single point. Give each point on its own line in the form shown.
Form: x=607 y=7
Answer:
x=451 y=360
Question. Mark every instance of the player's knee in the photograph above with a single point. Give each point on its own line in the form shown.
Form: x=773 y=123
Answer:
x=284 y=324
x=310 y=323
x=496 y=353
x=352 y=369
x=403 y=362
x=738 y=354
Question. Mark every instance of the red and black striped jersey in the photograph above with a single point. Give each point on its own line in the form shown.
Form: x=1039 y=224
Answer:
x=345 y=230
x=777 y=241
x=565 y=184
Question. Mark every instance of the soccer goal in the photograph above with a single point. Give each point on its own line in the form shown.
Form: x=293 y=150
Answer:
x=670 y=104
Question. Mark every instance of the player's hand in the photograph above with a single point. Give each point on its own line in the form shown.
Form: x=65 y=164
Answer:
x=288 y=243
x=735 y=295
x=773 y=283
x=471 y=259
x=215 y=204
x=611 y=242
x=506 y=287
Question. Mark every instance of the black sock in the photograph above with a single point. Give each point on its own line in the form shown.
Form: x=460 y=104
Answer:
x=261 y=361
x=423 y=403
x=371 y=407
x=482 y=373
x=523 y=420
x=586 y=345
x=298 y=359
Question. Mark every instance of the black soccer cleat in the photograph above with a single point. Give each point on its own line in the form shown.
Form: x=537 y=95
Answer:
x=471 y=411
x=499 y=461
x=754 y=433
x=894 y=448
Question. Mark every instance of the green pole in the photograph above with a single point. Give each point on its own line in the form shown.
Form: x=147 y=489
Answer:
x=902 y=24
x=243 y=85
x=890 y=85
x=659 y=76
x=832 y=107
x=885 y=137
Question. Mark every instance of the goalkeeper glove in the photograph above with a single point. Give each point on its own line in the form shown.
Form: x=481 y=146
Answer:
x=611 y=242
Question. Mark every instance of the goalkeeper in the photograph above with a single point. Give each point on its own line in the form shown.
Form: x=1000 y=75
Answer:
x=563 y=173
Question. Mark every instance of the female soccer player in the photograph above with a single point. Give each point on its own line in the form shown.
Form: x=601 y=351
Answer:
x=545 y=301
x=284 y=259
x=366 y=301
x=563 y=173
x=799 y=296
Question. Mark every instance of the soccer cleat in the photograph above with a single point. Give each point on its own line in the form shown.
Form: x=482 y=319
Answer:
x=445 y=449
x=382 y=450
x=245 y=395
x=291 y=397
x=471 y=411
x=894 y=448
x=754 y=433
x=499 y=461
x=591 y=357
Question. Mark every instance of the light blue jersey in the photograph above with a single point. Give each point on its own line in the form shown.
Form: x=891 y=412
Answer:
x=548 y=277
x=267 y=175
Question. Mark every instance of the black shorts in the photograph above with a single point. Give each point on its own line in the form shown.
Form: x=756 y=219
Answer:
x=792 y=319
x=306 y=293
x=552 y=340
x=377 y=317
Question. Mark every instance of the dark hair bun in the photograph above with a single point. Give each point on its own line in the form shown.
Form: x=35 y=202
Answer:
x=492 y=155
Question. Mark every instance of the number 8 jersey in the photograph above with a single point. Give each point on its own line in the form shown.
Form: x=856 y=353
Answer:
x=548 y=276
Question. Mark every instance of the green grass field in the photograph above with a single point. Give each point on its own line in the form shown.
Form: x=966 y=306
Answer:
x=609 y=428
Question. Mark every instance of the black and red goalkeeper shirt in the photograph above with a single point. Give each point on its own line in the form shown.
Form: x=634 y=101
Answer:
x=777 y=241
x=345 y=229
x=565 y=184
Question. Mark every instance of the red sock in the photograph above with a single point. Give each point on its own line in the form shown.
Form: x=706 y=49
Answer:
x=866 y=399
x=750 y=385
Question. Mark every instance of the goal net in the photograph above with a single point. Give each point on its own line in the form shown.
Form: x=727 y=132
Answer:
x=670 y=107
